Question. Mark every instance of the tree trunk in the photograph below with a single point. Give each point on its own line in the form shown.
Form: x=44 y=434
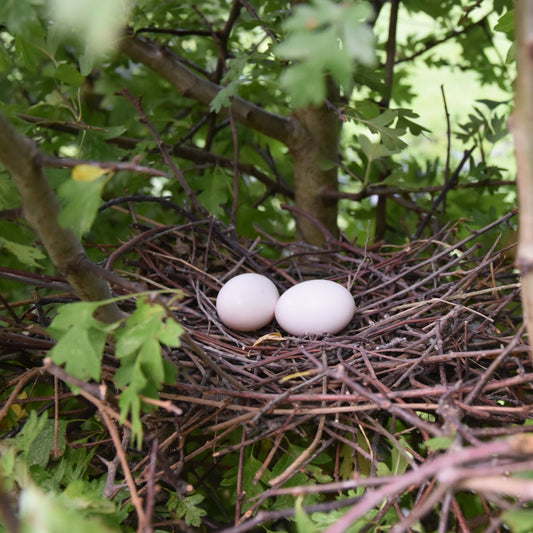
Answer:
x=314 y=149
x=522 y=129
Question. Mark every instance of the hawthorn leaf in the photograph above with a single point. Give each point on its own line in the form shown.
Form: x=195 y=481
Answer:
x=27 y=255
x=81 y=339
x=80 y=202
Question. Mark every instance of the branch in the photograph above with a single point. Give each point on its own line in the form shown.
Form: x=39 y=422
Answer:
x=522 y=129
x=382 y=190
x=71 y=162
x=431 y=42
x=442 y=196
x=169 y=66
x=190 y=153
x=176 y=171
x=440 y=467
x=20 y=156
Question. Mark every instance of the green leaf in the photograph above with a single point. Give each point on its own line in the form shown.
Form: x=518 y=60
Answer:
x=27 y=255
x=358 y=38
x=390 y=137
x=41 y=448
x=436 y=444
x=69 y=74
x=519 y=520
x=130 y=404
x=80 y=202
x=304 y=84
x=399 y=461
x=324 y=38
x=81 y=339
x=304 y=524
x=216 y=193
x=372 y=150
x=347 y=464
x=30 y=433
x=249 y=486
x=46 y=513
x=96 y=22
x=223 y=97
x=143 y=370
x=506 y=23
x=188 y=509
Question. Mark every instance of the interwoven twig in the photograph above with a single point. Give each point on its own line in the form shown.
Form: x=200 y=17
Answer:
x=436 y=349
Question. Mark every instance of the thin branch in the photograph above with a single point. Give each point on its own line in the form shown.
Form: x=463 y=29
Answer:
x=180 y=32
x=190 y=153
x=381 y=190
x=136 y=102
x=70 y=162
x=448 y=143
x=390 y=50
x=430 y=43
x=440 y=467
x=442 y=196
x=521 y=127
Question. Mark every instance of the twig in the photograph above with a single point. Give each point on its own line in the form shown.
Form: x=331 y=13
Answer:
x=448 y=144
x=20 y=384
x=70 y=162
x=494 y=366
x=135 y=499
x=427 y=470
x=136 y=102
x=442 y=196
x=151 y=487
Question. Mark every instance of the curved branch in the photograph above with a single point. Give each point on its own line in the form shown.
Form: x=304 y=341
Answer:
x=41 y=209
x=169 y=66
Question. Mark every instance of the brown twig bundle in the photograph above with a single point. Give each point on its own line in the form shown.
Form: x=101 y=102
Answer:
x=435 y=351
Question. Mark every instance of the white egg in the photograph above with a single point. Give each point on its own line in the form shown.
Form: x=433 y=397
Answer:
x=314 y=307
x=247 y=302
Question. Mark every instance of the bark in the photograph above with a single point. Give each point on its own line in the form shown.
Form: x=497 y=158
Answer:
x=522 y=128
x=314 y=151
x=311 y=134
x=169 y=66
x=41 y=209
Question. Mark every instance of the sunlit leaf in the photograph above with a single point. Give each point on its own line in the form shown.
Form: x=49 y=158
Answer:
x=88 y=172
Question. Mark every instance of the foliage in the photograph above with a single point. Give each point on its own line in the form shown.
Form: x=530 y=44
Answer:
x=55 y=484
x=61 y=87
x=374 y=145
x=325 y=38
x=81 y=341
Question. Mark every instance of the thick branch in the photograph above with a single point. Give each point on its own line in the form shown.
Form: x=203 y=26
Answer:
x=522 y=129
x=41 y=209
x=168 y=65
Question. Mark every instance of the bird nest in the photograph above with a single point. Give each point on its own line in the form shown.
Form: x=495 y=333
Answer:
x=400 y=410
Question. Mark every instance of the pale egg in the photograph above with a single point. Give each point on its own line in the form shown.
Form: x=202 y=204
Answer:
x=315 y=307
x=247 y=302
